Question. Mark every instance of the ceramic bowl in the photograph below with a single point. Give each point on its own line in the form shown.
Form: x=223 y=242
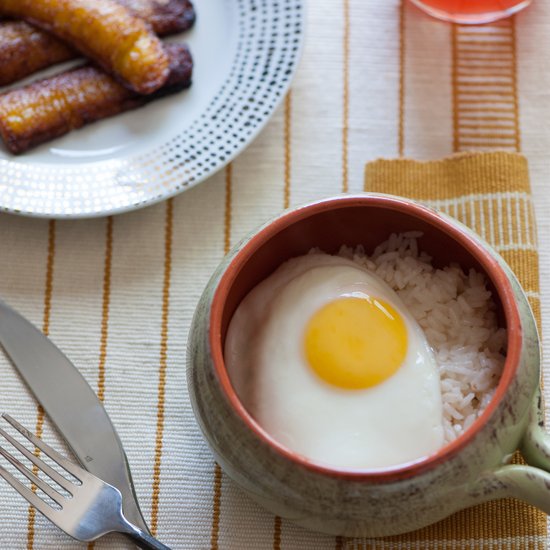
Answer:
x=474 y=468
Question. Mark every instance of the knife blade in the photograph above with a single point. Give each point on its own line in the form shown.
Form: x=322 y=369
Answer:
x=71 y=404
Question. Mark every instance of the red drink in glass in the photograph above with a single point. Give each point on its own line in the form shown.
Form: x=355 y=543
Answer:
x=471 y=11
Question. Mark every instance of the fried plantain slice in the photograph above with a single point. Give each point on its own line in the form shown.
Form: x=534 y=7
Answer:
x=25 y=49
x=165 y=16
x=54 y=106
x=106 y=32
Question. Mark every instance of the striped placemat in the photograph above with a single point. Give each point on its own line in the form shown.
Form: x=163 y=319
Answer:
x=490 y=192
x=378 y=79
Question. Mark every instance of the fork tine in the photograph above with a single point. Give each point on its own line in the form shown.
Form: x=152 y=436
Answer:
x=77 y=471
x=27 y=494
x=48 y=470
x=52 y=493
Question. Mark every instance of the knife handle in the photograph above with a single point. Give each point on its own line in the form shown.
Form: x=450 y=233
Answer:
x=145 y=540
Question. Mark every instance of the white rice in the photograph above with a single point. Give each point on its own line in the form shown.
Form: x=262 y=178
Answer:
x=457 y=314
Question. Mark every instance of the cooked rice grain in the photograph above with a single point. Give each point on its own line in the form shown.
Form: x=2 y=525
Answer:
x=457 y=314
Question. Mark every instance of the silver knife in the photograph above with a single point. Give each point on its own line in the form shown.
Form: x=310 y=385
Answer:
x=71 y=404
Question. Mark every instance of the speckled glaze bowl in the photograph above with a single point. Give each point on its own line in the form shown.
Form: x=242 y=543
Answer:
x=472 y=469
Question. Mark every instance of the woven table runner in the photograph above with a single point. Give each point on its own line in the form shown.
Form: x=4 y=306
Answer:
x=117 y=295
x=490 y=192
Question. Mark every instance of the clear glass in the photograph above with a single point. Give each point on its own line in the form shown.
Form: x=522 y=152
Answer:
x=471 y=11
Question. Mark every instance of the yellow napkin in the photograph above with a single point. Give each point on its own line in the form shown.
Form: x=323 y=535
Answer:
x=489 y=192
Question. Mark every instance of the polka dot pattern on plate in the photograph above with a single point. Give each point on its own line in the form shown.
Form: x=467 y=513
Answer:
x=265 y=49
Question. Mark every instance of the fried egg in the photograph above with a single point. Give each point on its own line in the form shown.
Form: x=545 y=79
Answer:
x=327 y=359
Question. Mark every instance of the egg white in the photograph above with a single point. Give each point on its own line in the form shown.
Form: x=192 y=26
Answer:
x=392 y=423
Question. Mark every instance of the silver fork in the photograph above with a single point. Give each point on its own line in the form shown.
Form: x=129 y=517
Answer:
x=93 y=507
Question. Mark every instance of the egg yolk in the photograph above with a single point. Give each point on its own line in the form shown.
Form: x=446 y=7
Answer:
x=355 y=343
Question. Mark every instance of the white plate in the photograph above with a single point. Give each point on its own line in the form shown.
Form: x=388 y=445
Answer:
x=245 y=53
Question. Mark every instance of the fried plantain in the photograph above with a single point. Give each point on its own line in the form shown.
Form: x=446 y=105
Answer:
x=106 y=32
x=165 y=17
x=25 y=49
x=54 y=106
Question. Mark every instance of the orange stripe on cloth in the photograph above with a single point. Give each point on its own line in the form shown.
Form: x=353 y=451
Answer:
x=106 y=300
x=228 y=204
x=277 y=529
x=216 y=508
x=105 y=308
x=46 y=315
x=218 y=478
x=163 y=364
x=401 y=107
x=288 y=148
x=345 y=106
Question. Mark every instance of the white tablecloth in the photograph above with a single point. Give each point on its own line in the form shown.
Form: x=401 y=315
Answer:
x=118 y=295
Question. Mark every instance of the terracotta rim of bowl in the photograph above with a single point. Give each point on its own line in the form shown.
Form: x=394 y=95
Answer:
x=489 y=264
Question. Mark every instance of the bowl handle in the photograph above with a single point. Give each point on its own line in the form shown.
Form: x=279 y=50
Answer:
x=535 y=445
x=530 y=482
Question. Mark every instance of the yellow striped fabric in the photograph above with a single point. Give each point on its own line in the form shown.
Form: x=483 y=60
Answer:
x=377 y=79
x=48 y=289
x=484 y=80
x=490 y=192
